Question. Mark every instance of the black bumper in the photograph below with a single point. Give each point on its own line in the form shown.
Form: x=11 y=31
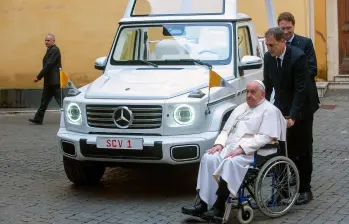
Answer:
x=148 y=152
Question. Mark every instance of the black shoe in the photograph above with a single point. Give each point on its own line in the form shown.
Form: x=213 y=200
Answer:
x=212 y=213
x=197 y=210
x=304 y=198
x=35 y=121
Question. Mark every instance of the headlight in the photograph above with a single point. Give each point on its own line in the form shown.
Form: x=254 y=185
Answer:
x=74 y=114
x=184 y=115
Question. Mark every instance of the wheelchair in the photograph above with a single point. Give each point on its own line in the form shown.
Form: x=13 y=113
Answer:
x=270 y=185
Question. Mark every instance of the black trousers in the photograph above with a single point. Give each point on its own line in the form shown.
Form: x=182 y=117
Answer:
x=47 y=93
x=300 y=150
x=223 y=194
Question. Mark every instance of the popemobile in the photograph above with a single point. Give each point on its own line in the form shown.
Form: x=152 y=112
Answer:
x=175 y=72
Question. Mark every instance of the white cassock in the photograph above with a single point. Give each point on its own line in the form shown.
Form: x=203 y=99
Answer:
x=248 y=128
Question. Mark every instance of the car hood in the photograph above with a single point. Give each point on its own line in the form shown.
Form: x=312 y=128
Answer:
x=154 y=83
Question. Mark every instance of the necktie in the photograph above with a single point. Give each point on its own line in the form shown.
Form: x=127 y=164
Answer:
x=288 y=43
x=279 y=65
x=279 y=73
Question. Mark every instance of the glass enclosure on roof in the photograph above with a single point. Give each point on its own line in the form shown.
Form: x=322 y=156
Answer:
x=177 y=7
x=166 y=44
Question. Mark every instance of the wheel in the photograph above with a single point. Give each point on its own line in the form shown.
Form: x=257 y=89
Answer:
x=274 y=193
x=83 y=173
x=245 y=214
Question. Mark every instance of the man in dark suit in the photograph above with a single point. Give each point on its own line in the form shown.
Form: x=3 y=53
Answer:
x=286 y=22
x=286 y=70
x=50 y=73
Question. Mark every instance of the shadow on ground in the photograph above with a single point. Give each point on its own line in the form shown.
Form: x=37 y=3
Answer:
x=152 y=182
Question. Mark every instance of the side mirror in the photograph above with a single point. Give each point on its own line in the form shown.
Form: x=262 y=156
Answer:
x=73 y=92
x=250 y=62
x=100 y=63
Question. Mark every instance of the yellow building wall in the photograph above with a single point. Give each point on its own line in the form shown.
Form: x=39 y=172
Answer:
x=84 y=31
x=321 y=38
x=300 y=10
x=257 y=11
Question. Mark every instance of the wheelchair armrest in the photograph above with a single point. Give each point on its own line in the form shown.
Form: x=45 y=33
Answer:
x=271 y=145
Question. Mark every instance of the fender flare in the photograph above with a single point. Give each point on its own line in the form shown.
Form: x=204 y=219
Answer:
x=220 y=115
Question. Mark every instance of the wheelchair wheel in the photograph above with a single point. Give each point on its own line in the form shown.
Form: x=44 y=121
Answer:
x=277 y=186
x=245 y=214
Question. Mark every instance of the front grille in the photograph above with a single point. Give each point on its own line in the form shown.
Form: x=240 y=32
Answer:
x=145 y=116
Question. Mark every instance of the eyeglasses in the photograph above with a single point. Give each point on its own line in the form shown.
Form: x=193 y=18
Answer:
x=286 y=28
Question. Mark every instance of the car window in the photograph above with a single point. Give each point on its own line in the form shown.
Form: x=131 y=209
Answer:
x=244 y=42
x=205 y=42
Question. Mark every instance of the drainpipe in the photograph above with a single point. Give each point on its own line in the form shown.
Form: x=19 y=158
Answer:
x=272 y=23
x=310 y=19
x=270 y=13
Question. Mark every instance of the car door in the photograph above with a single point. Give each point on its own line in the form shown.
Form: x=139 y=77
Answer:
x=247 y=45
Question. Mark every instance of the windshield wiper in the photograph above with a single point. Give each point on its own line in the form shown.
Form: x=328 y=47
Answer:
x=145 y=62
x=209 y=66
x=197 y=61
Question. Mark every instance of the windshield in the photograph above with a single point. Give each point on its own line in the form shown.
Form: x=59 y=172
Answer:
x=177 y=7
x=162 y=44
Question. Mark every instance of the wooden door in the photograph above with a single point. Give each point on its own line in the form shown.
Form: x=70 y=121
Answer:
x=343 y=23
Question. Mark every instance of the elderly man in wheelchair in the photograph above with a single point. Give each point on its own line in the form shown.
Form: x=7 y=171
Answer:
x=247 y=156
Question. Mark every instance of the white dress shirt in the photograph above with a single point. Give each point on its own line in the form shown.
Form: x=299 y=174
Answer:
x=290 y=40
x=281 y=57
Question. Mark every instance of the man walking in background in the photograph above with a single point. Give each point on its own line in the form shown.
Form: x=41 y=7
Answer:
x=50 y=73
x=286 y=22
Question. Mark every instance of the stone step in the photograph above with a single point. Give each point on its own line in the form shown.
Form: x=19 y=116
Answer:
x=342 y=78
x=339 y=85
x=321 y=88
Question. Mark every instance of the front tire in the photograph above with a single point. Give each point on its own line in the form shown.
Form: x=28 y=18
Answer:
x=245 y=215
x=83 y=173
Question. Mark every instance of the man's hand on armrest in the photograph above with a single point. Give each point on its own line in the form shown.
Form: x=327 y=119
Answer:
x=214 y=149
x=273 y=141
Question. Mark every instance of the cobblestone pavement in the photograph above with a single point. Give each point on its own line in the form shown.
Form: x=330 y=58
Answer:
x=34 y=188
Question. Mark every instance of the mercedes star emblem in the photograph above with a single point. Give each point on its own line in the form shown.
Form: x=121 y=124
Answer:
x=123 y=117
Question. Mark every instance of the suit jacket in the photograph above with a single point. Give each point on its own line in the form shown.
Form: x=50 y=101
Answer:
x=292 y=90
x=306 y=45
x=51 y=65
